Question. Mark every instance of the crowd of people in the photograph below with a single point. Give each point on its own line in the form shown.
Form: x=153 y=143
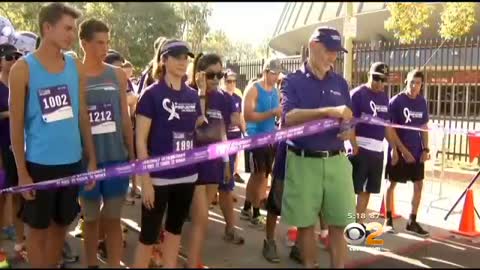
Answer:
x=61 y=115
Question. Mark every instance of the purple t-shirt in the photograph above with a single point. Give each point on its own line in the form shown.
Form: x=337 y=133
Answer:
x=173 y=114
x=365 y=101
x=234 y=131
x=220 y=107
x=219 y=110
x=410 y=112
x=4 y=123
x=302 y=90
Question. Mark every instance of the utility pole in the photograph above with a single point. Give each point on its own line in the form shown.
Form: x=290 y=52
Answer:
x=349 y=33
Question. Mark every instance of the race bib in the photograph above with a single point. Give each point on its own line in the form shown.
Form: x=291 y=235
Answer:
x=102 y=118
x=55 y=103
x=182 y=141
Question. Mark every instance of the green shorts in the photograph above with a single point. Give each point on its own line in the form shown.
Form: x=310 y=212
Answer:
x=314 y=185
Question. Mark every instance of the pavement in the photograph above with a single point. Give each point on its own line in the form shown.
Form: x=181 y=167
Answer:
x=400 y=250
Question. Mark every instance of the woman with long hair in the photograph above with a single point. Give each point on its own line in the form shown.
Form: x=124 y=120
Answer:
x=218 y=109
x=167 y=115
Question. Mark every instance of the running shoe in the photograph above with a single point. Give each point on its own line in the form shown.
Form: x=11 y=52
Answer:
x=269 y=251
x=4 y=260
x=234 y=238
x=415 y=228
x=237 y=178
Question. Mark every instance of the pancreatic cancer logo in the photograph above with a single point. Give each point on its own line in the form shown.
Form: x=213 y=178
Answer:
x=359 y=234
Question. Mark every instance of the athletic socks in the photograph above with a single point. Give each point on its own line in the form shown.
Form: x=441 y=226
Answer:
x=247 y=206
x=256 y=212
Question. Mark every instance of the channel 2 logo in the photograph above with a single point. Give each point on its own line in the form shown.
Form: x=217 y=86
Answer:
x=359 y=234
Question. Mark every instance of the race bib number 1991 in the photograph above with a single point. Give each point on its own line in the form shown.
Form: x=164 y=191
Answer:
x=55 y=103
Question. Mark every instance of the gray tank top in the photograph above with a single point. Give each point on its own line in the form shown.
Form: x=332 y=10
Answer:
x=104 y=110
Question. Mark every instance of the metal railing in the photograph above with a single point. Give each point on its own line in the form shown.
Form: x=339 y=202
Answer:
x=452 y=74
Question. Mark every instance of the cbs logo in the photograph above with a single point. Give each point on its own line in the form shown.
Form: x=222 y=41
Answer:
x=358 y=234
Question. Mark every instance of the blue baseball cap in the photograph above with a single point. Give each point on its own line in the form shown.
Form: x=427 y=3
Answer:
x=330 y=37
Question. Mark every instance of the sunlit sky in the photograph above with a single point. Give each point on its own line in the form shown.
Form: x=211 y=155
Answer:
x=252 y=22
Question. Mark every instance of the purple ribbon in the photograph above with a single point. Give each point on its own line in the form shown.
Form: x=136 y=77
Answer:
x=196 y=155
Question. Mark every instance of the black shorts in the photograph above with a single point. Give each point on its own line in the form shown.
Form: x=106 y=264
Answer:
x=274 y=200
x=260 y=160
x=178 y=198
x=403 y=171
x=367 y=168
x=59 y=205
x=10 y=167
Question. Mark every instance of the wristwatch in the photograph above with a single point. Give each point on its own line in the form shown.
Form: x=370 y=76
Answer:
x=426 y=150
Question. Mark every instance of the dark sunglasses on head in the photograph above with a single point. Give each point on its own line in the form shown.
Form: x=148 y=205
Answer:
x=231 y=81
x=379 y=78
x=212 y=75
x=11 y=57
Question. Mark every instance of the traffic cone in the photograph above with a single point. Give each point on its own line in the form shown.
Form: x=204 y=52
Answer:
x=467 y=223
x=383 y=206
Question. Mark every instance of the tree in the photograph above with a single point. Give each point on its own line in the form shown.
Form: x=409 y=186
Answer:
x=407 y=20
x=22 y=15
x=194 y=25
x=457 y=19
x=133 y=26
x=217 y=42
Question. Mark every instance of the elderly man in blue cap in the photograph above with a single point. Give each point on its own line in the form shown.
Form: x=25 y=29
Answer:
x=318 y=175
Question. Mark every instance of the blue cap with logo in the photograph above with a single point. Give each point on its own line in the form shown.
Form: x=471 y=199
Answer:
x=330 y=37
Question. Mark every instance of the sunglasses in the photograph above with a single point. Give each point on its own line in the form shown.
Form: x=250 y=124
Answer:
x=212 y=75
x=231 y=81
x=379 y=78
x=11 y=57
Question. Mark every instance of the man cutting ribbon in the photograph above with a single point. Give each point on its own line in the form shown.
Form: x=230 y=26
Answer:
x=409 y=107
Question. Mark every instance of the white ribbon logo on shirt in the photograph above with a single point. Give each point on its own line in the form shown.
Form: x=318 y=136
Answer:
x=406 y=113
x=171 y=110
x=373 y=106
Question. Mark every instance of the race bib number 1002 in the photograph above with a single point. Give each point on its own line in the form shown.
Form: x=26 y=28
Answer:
x=55 y=103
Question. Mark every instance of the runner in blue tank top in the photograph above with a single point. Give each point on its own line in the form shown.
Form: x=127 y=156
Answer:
x=113 y=138
x=49 y=119
x=261 y=106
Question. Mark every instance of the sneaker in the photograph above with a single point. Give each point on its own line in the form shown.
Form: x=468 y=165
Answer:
x=246 y=215
x=258 y=222
x=324 y=241
x=102 y=251
x=389 y=226
x=295 y=254
x=156 y=259
x=4 y=260
x=415 y=228
x=8 y=233
x=79 y=228
x=20 y=252
x=270 y=251
x=68 y=255
x=234 y=238
x=238 y=179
